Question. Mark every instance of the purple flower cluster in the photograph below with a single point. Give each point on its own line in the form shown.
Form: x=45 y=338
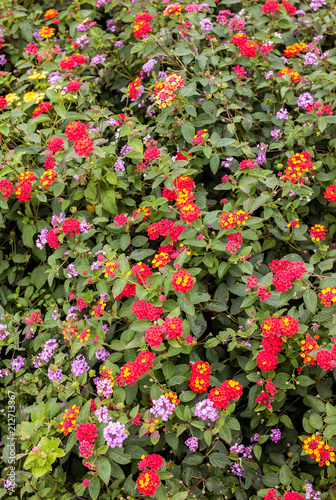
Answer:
x=125 y=150
x=98 y=59
x=79 y=365
x=237 y=469
x=305 y=99
x=310 y=58
x=3 y=332
x=227 y=163
x=102 y=414
x=275 y=435
x=192 y=443
x=262 y=148
x=316 y=4
x=275 y=133
x=54 y=374
x=310 y=493
x=17 y=363
x=282 y=114
x=162 y=407
x=54 y=78
x=206 y=25
x=71 y=271
x=101 y=354
x=206 y=410
x=119 y=165
x=111 y=25
x=50 y=346
x=114 y=434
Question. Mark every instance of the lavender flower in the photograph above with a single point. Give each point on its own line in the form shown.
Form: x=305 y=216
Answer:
x=101 y=354
x=114 y=434
x=237 y=449
x=269 y=75
x=125 y=150
x=54 y=375
x=2 y=60
x=3 y=332
x=227 y=163
x=206 y=25
x=305 y=99
x=71 y=271
x=248 y=452
x=99 y=59
x=150 y=112
x=42 y=238
x=102 y=414
x=282 y=114
x=149 y=65
x=79 y=365
x=84 y=227
x=81 y=27
x=162 y=407
x=112 y=122
x=54 y=78
x=262 y=148
x=310 y=493
x=205 y=409
x=17 y=363
x=275 y=435
x=119 y=43
x=316 y=4
x=119 y=165
x=83 y=41
x=57 y=219
x=310 y=58
x=4 y=372
x=111 y=25
x=192 y=443
x=237 y=469
x=254 y=438
x=275 y=133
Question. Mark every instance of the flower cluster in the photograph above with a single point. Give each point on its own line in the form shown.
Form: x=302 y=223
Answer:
x=199 y=381
x=318 y=450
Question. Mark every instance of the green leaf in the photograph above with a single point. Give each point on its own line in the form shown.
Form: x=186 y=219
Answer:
x=188 y=131
x=285 y=475
x=310 y=299
x=104 y=469
x=29 y=230
x=94 y=488
x=141 y=254
x=108 y=199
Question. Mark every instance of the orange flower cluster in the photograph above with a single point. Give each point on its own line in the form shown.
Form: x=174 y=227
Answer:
x=106 y=382
x=232 y=219
x=293 y=223
x=317 y=232
x=135 y=89
x=199 y=381
x=307 y=346
x=184 y=197
x=142 y=27
x=24 y=188
x=99 y=309
x=69 y=330
x=164 y=91
x=294 y=76
x=298 y=164
x=68 y=423
x=47 y=178
x=46 y=32
x=230 y=390
x=182 y=281
x=328 y=296
x=293 y=50
x=51 y=13
x=319 y=450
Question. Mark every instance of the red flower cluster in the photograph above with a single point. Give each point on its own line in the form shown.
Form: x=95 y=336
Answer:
x=24 y=187
x=6 y=188
x=172 y=328
x=267 y=397
x=328 y=296
x=326 y=359
x=235 y=241
x=71 y=226
x=270 y=6
x=229 y=391
x=272 y=330
x=142 y=27
x=330 y=193
x=134 y=89
x=240 y=71
x=247 y=47
x=199 y=381
x=133 y=370
x=164 y=228
x=232 y=219
x=182 y=281
x=141 y=271
x=43 y=107
x=3 y=102
x=294 y=76
x=153 y=462
x=74 y=85
x=271 y=495
x=298 y=164
x=77 y=132
x=128 y=291
x=152 y=153
x=148 y=482
x=86 y=434
x=317 y=232
x=154 y=336
x=72 y=61
x=285 y=272
x=146 y=310
x=47 y=178
x=55 y=144
x=243 y=165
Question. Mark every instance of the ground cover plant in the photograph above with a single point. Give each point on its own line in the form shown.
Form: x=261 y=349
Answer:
x=167 y=220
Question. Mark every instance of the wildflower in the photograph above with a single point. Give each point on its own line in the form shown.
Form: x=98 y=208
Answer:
x=192 y=443
x=328 y=296
x=46 y=32
x=275 y=435
x=142 y=27
x=148 y=482
x=182 y=281
x=330 y=193
x=206 y=25
x=114 y=434
x=317 y=232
